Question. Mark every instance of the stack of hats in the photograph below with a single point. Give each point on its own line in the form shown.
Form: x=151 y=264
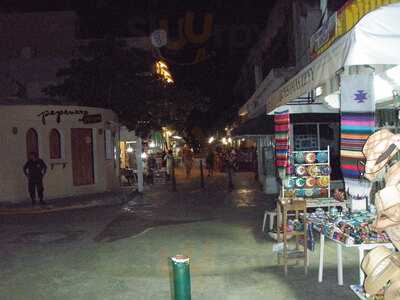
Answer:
x=381 y=265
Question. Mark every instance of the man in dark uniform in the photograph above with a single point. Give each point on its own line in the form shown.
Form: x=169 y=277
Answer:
x=34 y=170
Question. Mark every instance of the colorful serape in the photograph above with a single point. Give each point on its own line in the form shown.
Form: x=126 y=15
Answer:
x=357 y=124
x=355 y=130
x=282 y=121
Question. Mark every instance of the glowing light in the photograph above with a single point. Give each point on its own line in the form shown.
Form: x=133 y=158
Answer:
x=211 y=140
x=143 y=155
x=152 y=145
x=129 y=149
x=230 y=140
x=177 y=137
x=224 y=141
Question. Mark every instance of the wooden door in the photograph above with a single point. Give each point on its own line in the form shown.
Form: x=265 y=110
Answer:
x=32 y=142
x=82 y=156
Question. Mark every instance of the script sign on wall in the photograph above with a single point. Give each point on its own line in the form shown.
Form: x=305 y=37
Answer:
x=59 y=113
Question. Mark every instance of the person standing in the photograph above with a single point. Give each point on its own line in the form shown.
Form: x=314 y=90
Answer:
x=34 y=169
x=168 y=158
x=210 y=160
x=188 y=160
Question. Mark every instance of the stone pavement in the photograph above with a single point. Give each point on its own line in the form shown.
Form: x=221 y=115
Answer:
x=121 y=252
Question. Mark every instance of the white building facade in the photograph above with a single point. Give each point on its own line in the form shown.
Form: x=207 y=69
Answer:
x=78 y=144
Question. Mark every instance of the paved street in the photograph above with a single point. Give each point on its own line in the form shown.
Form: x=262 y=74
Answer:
x=121 y=251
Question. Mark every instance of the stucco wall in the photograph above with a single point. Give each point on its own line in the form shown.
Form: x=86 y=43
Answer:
x=58 y=181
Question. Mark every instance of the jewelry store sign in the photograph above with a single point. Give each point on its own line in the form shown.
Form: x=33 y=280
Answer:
x=298 y=85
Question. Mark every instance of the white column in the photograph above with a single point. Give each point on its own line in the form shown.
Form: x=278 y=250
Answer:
x=139 y=163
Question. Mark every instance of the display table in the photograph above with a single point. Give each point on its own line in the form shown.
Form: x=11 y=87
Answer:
x=339 y=257
x=349 y=231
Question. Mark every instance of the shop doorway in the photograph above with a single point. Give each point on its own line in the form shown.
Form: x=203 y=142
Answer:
x=82 y=156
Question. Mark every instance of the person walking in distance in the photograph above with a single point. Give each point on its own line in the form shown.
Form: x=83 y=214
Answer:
x=188 y=160
x=34 y=169
x=210 y=160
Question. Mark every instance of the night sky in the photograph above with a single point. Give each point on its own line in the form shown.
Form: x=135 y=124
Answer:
x=235 y=28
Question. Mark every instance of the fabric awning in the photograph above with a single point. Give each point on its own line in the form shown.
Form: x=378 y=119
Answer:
x=259 y=126
x=361 y=46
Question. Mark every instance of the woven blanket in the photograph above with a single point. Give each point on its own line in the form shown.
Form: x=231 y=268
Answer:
x=357 y=124
x=282 y=121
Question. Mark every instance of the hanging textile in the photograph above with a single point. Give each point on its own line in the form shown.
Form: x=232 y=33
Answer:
x=357 y=124
x=282 y=120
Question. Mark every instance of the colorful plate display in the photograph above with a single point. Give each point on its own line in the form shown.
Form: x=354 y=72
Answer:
x=301 y=170
x=324 y=193
x=325 y=170
x=313 y=171
x=299 y=158
x=300 y=193
x=323 y=181
x=309 y=193
x=322 y=157
x=310 y=157
x=300 y=182
x=311 y=182
x=316 y=192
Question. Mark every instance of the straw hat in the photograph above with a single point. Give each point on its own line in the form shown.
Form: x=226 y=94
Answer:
x=381 y=266
x=387 y=201
x=393 y=292
x=394 y=234
x=392 y=176
x=379 y=148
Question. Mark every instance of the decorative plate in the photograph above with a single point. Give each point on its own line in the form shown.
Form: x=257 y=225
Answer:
x=299 y=158
x=300 y=182
x=325 y=170
x=311 y=182
x=301 y=170
x=310 y=157
x=322 y=157
x=323 y=181
x=300 y=193
x=314 y=171
x=309 y=193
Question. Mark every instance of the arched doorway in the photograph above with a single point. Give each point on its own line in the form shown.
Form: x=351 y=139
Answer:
x=32 y=142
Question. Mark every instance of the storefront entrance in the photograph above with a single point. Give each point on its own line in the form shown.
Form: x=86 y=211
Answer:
x=82 y=156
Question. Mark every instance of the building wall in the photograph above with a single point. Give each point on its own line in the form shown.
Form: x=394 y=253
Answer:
x=58 y=181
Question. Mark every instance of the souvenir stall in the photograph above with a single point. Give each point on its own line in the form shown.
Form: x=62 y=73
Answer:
x=362 y=79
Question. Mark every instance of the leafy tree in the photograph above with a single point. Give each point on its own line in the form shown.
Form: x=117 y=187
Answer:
x=107 y=73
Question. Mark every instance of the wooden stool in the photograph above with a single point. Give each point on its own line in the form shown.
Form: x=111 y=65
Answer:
x=297 y=206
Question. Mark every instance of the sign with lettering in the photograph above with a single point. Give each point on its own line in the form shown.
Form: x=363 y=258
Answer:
x=62 y=112
x=90 y=119
x=345 y=19
x=299 y=82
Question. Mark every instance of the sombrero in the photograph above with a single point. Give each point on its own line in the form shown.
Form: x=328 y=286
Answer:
x=394 y=234
x=388 y=198
x=393 y=292
x=392 y=176
x=379 y=148
x=381 y=266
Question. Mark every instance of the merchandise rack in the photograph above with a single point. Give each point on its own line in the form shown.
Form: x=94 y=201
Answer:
x=316 y=163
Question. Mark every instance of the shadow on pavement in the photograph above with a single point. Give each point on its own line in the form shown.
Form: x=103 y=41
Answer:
x=130 y=225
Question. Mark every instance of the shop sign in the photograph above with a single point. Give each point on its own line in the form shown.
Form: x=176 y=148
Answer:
x=299 y=82
x=323 y=34
x=91 y=119
x=62 y=112
x=345 y=19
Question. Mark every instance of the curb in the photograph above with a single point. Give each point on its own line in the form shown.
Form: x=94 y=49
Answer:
x=48 y=209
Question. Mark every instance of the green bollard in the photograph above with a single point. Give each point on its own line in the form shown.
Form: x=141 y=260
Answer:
x=181 y=277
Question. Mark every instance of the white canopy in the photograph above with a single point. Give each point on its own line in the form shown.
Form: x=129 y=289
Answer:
x=375 y=40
